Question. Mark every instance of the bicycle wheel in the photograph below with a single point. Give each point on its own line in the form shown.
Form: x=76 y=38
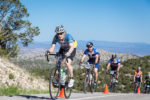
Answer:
x=67 y=90
x=54 y=83
x=86 y=81
x=92 y=88
x=111 y=84
x=136 y=87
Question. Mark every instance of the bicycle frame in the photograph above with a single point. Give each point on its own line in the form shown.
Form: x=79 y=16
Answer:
x=90 y=70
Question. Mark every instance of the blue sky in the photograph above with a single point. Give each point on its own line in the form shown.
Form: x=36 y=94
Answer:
x=104 y=20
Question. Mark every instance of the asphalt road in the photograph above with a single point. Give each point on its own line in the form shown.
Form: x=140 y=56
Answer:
x=82 y=96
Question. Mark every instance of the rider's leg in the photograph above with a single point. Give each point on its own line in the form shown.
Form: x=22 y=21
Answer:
x=96 y=74
x=69 y=67
x=117 y=76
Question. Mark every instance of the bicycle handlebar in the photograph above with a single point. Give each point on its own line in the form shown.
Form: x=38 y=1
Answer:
x=55 y=54
x=48 y=57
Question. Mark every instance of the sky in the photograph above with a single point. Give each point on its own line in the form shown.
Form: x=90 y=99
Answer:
x=103 y=20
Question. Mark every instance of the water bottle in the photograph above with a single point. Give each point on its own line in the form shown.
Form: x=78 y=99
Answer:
x=63 y=77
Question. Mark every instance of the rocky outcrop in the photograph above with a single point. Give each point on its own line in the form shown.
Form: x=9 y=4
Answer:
x=11 y=74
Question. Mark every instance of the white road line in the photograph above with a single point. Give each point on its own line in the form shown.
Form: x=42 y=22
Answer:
x=99 y=96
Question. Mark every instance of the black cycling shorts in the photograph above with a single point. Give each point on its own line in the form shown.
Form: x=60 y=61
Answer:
x=137 y=79
x=63 y=52
x=114 y=68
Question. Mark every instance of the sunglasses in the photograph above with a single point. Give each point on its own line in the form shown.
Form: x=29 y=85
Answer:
x=59 y=33
x=90 y=46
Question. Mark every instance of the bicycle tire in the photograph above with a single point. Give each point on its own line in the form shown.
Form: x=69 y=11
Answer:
x=86 y=79
x=92 y=83
x=67 y=90
x=54 y=84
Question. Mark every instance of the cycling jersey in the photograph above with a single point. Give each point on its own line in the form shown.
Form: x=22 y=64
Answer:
x=65 y=42
x=114 y=64
x=91 y=55
x=138 y=76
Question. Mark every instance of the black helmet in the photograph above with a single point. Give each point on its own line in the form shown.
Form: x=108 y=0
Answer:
x=114 y=56
x=89 y=44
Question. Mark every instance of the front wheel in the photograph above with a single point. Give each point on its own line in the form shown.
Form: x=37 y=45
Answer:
x=92 y=86
x=67 y=90
x=54 y=83
x=86 y=82
x=147 y=90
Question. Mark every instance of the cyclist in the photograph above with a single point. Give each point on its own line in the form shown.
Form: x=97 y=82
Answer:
x=147 y=81
x=114 y=63
x=94 y=58
x=138 y=77
x=67 y=48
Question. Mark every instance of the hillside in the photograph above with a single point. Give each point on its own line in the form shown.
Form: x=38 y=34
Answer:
x=11 y=74
x=37 y=65
x=38 y=60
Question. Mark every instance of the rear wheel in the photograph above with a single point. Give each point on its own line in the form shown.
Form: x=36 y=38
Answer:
x=54 y=83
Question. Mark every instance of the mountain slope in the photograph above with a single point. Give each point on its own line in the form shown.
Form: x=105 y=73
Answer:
x=11 y=74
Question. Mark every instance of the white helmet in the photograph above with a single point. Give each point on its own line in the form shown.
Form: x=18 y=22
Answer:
x=139 y=68
x=60 y=29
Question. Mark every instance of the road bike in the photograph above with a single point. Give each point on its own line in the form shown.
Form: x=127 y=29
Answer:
x=89 y=78
x=59 y=78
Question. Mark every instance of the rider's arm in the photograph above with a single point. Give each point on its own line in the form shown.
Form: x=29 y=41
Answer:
x=118 y=67
x=71 y=48
x=108 y=66
x=96 y=60
x=82 y=58
x=141 y=78
x=51 y=49
x=134 y=78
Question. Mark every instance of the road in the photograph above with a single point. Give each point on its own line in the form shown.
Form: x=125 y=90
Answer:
x=82 y=96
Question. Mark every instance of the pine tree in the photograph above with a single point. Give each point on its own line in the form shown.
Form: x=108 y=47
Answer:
x=14 y=27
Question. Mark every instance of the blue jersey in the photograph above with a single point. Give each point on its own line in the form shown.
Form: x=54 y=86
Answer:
x=114 y=63
x=65 y=42
x=91 y=55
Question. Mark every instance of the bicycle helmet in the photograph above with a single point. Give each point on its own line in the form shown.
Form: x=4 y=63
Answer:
x=60 y=29
x=89 y=44
x=114 y=56
x=139 y=68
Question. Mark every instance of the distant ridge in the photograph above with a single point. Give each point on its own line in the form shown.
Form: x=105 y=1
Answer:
x=140 y=49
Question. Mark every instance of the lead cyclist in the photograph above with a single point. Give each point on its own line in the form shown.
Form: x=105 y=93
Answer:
x=67 y=49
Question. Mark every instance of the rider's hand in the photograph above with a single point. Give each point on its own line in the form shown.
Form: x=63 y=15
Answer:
x=80 y=64
x=47 y=53
x=67 y=54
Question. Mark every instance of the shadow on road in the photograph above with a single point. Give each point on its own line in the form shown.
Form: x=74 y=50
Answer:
x=33 y=97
